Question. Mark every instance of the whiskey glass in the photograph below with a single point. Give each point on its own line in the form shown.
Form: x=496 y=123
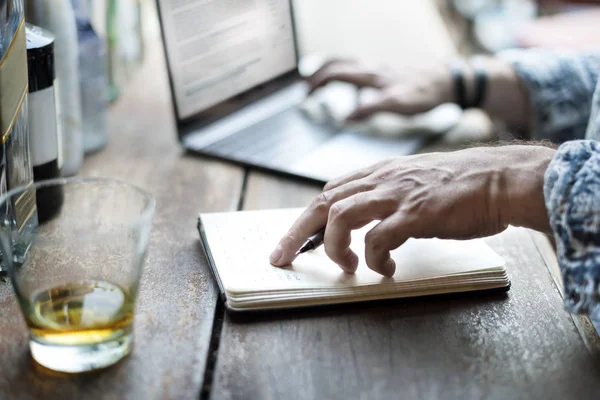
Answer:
x=76 y=272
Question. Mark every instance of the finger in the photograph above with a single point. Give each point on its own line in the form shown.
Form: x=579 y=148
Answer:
x=355 y=77
x=351 y=177
x=383 y=103
x=345 y=71
x=348 y=214
x=312 y=220
x=388 y=235
x=354 y=176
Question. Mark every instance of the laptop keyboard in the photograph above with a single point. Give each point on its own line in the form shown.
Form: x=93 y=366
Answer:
x=282 y=138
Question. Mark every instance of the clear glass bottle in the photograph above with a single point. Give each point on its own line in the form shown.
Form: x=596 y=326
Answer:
x=125 y=42
x=93 y=80
x=15 y=161
x=58 y=17
x=112 y=34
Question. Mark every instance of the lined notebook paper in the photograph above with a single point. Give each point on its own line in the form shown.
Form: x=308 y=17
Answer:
x=238 y=245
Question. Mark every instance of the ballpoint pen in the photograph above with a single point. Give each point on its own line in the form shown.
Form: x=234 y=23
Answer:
x=312 y=242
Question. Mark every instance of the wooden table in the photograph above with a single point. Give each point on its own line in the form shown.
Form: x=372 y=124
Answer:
x=519 y=345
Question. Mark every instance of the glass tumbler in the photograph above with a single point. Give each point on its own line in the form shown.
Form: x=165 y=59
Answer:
x=76 y=273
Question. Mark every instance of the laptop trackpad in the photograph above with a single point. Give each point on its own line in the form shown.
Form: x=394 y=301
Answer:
x=350 y=151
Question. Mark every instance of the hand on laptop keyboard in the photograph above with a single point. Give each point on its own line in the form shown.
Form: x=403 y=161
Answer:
x=408 y=93
x=331 y=105
x=377 y=109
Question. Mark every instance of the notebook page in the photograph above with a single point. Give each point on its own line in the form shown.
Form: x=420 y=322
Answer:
x=241 y=242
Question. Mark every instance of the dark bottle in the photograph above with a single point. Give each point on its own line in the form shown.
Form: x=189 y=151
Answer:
x=43 y=128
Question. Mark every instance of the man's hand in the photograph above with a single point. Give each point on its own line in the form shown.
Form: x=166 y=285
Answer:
x=460 y=195
x=410 y=92
x=417 y=90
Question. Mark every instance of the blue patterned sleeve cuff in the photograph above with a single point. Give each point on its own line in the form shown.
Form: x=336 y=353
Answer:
x=572 y=194
x=560 y=87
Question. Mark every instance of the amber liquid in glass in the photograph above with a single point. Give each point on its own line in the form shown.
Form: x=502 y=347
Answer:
x=80 y=313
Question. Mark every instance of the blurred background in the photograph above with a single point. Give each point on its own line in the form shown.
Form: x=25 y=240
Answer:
x=493 y=25
x=475 y=26
x=126 y=26
x=129 y=35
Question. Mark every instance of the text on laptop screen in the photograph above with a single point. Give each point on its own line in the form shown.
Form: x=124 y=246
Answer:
x=217 y=49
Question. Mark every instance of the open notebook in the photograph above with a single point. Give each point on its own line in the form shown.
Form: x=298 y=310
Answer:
x=238 y=244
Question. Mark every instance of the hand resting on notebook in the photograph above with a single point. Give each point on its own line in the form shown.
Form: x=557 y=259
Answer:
x=459 y=195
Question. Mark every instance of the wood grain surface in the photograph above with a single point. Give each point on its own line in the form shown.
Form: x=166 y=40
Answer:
x=177 y=300
x=503 y=346
x=588 y=329
x=499 y=346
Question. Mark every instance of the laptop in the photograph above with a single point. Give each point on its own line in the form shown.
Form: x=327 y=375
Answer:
x=237 y=92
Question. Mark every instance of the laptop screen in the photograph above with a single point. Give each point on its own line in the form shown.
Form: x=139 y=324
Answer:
x=217 y=49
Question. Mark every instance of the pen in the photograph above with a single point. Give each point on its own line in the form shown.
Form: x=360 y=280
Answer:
x=312 y=242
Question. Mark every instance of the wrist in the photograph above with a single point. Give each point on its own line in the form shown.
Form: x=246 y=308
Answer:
x=469 y=82
x=493 y=85
x=507 y=98
x=524 y=177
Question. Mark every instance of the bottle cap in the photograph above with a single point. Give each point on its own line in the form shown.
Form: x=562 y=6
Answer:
x=40 y=58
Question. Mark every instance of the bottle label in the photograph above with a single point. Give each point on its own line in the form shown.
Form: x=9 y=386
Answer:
x=42 y=126
x=13 y=81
